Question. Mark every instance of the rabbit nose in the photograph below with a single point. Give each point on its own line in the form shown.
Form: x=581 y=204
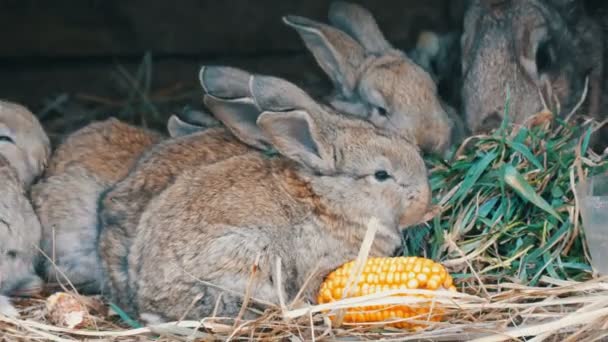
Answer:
x=418 y=206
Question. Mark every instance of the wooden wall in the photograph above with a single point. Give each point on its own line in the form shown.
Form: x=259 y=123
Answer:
x=62 y=28
x=78 y=49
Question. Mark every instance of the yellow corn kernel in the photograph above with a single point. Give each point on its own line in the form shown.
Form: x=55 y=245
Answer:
x=382 y=274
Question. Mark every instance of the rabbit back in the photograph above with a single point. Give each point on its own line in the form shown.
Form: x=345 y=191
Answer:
x=122 y=205
x=66 y=199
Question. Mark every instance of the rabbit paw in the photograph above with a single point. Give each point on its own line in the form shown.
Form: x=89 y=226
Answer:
x=7 y=309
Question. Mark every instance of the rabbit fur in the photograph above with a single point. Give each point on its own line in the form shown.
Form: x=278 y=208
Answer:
x=374 y=80
x=83 y=166
x=541 y=51
x=19 y=235
x=309 y=205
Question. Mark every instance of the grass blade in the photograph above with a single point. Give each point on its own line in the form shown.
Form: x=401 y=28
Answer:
x=473 y=175
x=525 y=151
x=518 y=183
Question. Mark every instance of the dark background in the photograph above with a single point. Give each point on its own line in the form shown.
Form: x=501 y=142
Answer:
x=73 y=61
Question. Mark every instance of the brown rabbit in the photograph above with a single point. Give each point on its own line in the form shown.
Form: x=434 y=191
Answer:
x=532 y=48
x=21 y=128
x=122 y=205
x=86 y=164
x=374 y=80
x=309 y=206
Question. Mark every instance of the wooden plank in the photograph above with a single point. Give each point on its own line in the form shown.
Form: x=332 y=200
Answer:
x=79 y=93
x=68 y=28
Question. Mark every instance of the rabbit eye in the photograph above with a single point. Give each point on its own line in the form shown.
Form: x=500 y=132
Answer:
x=7 y=139
x=12 y=254
x=382 y=111
x=381 y=175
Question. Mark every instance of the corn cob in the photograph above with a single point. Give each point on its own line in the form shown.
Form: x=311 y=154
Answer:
x=382 y=274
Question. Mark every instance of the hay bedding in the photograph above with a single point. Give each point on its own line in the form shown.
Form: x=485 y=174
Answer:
x=555 y=310
x=510 y=234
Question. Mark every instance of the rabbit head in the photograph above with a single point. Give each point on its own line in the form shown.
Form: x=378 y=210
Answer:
x=19 y=233
x=355 y=164
x=541 y=51
x=15 y=155
x=372 y=79
x=19 y=127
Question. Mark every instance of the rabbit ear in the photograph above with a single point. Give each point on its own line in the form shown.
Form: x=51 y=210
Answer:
x=197 y=117
x=278 y=95
x=179 y=128
x=336 y=53
x=288 y=124
x=266 y=93
x=296 y=136
x=228 y=97
x=528 y=40
x=360 y=24
x=225 y=82
x=239 y=116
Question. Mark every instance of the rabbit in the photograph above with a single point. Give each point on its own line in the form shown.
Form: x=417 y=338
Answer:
x=122 y=205
x=86 y=164
x=541 y=51
x=19 y=233
x=32 y=145
x=374 y=80
x=309 y=204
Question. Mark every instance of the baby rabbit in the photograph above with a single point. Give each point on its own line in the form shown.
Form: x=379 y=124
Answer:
x=533 y=48
x=19 y=233
x=31 y=145
x=24 y=151
x=86 y=164
x=309 y=205
x=372 y=79
x=122 y=205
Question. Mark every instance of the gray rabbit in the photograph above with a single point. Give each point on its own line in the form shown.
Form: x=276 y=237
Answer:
x=86 y=164
x=19 y=126
x=309 y=205
x=24 y=149
x=19 y=236
x=374 y=80
x=542 y=51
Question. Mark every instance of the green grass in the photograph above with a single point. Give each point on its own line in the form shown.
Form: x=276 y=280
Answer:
x=510 y=209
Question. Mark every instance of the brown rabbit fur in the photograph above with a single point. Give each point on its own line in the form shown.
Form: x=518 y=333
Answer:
x=374 y=80
x=309 y=206
x=530 y=47
x=122 y=205
x=65 y=199
x=19 y=126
